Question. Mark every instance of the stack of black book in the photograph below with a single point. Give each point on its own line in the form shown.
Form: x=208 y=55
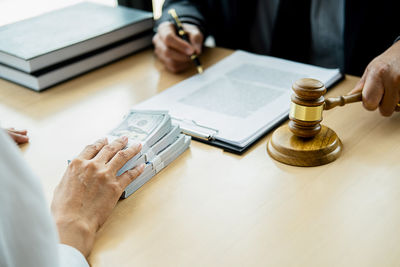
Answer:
x=45 y=50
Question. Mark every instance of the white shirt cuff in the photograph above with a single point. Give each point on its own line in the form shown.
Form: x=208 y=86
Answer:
x=71 y=257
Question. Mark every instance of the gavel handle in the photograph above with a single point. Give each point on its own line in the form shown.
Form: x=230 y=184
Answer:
x=346 y=99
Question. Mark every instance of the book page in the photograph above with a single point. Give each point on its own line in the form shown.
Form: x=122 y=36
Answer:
x=240 y=97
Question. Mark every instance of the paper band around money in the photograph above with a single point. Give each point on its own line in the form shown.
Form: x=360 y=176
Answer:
x=304 y=113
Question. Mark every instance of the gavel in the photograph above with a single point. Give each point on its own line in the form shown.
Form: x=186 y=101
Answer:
x=304 y=141
x=308 y=103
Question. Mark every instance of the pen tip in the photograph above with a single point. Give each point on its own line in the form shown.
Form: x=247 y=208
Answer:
x=200 y=69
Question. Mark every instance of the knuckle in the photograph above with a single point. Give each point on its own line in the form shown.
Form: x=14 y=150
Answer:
x=123 y=154
x=382 y=68
x=371 y=66
x=76 y=162
x=119 y=141
x=115 y=188
x=109 y=148
x=91 y=165
x=97 y=146
x=368 y=69
x=169 y=38
x=90 y=147
x=103 y=176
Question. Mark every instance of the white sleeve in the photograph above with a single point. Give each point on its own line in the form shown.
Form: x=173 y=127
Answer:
x=28 y=234
x=71 y=257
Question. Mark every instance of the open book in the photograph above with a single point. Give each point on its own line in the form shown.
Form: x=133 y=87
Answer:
x=238 y=100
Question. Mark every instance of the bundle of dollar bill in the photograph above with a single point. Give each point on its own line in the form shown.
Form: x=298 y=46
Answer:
x=161 y=142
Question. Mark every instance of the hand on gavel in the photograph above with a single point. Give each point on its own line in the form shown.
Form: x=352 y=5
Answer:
x=307 y=105
x=380 y=83
x=347 y=99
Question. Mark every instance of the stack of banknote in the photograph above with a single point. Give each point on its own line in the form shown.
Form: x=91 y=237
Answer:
x=162 y=142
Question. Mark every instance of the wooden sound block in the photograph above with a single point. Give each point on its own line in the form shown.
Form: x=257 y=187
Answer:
x=287 y=148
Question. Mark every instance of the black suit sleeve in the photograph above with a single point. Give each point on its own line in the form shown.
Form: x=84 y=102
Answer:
x=189 y=11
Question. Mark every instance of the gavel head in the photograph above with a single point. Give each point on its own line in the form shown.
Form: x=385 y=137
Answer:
x=306 y=107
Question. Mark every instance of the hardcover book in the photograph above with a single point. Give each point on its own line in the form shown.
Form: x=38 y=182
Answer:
x=51 y=38
x=68 y=69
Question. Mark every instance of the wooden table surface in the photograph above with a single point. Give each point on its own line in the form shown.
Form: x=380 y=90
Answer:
x=212 y=208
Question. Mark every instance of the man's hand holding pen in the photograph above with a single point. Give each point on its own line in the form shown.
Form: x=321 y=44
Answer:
x=173 y=51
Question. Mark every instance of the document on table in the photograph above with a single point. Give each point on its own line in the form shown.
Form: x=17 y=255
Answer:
x=238 y=100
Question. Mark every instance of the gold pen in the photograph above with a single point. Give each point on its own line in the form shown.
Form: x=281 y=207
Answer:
x=185 y=36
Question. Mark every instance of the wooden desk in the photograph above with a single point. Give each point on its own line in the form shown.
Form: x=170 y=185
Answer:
x=210 y=208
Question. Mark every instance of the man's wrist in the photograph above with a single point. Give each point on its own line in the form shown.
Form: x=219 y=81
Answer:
x=76 y=233
x=183 y=18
